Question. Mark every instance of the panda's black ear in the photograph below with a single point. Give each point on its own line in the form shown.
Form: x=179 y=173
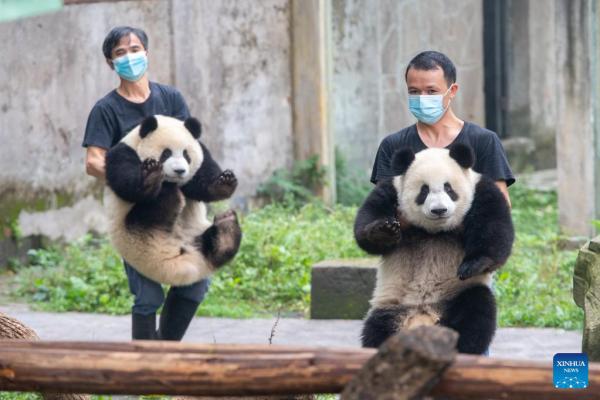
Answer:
x=401 y=160
x=194 y=126
x=149 y=124
x=463 y=155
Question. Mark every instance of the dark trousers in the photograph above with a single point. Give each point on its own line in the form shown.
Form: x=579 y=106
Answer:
x=149 y=295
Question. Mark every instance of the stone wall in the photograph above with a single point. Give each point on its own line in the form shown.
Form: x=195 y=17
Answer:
x=372 y=43
x=230 y=59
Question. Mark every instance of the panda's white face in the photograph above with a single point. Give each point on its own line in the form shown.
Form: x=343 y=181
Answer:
x=176 y=165
x=173 y=145
x=435 y=193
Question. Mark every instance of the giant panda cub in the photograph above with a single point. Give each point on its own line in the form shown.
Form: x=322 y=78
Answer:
x=441 y=229
x=159 y=177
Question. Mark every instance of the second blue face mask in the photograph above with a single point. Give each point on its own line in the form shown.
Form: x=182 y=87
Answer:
x=428 y=109
x=131 y=66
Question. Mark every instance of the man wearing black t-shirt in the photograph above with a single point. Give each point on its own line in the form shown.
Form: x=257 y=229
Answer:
x=125 y=50
x=431 y=82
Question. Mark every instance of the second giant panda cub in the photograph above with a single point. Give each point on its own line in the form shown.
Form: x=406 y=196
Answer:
x=160 y=176
x=441 y=229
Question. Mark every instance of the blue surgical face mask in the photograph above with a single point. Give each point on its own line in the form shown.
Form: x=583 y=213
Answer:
x=428 y=109
x=131 y=66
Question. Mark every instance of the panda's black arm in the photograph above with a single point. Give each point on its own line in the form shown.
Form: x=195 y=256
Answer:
x=376 y=228
x=210 y=183
x=124 y=173
x=488 y=231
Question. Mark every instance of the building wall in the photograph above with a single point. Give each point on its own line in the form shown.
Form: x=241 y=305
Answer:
x=372 y=43
x=230 y=59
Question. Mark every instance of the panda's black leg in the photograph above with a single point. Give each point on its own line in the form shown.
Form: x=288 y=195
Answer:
x=381 y=323
x=472 y=313
x=221 y=241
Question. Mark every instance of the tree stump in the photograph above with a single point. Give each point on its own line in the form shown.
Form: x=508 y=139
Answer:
x=407 y=365
x=11 y=328
x=586 y=291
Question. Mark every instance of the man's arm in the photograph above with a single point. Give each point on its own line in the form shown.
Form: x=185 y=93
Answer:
x=504 y=189
x=95 y=162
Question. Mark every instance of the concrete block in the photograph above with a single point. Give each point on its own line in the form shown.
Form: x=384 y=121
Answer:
x=341 y=289
x=586 y=291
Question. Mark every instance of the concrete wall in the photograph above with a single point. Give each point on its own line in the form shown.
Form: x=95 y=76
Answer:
x=372 y=43
x=578 y=119
x=230 y=59
x=532 y=79
x=232 y=64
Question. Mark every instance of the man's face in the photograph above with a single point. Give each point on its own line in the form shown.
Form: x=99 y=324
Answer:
x=127 y=44
x=420 y=82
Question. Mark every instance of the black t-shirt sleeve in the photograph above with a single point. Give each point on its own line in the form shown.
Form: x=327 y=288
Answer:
x=383 y=162
x=179 y=107
x=494 y=163
x=100 y=128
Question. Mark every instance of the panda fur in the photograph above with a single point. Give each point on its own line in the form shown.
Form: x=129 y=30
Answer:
x=441 y=229
x=160 y=177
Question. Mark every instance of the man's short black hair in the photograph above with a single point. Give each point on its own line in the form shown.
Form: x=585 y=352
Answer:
x=428 y=60
x=112 y=39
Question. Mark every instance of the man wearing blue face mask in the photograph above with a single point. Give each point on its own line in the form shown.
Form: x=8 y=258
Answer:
x=431 y=83
x=126 y=52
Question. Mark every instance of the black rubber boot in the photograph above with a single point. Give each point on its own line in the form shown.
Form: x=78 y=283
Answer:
x=143 y=327
x=176 y=315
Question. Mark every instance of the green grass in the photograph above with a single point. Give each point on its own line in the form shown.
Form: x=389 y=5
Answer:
x=270 y=273
x=272 y=270
x=19 y=396
x=535 y=287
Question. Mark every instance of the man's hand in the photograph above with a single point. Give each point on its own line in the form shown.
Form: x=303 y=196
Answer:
x=95 y=162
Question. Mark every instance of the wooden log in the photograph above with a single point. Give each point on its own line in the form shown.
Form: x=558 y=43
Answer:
x=406 y=366
x=227 y=370
x=206 y=370
x=11 y=328
x=473 y=377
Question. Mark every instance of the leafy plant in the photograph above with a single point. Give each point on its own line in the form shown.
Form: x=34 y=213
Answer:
x=352 y=186
x=295 y=186
x=535 y=287
x=19 y=396
x=86 y=275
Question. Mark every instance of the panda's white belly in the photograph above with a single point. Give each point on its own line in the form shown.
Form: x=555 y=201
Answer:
x=422 y=272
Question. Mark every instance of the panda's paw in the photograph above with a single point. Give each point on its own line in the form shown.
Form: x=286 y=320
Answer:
x=386 y=231
x=153 y=176
x=227 y=178
x=476 y=266
x=224 y=186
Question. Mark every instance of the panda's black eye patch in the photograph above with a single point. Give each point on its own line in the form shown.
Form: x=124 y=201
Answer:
x=187 y=156
x=451 y=193
x=422 y=195
x=165 y=155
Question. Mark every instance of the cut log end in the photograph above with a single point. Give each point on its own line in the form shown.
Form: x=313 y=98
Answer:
x=406 y=366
